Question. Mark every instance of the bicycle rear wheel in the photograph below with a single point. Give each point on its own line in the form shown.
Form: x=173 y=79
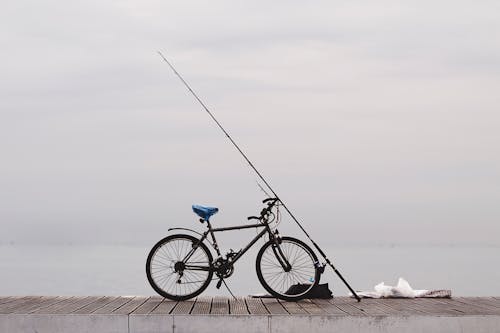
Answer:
x=289 y=284
x=173 y=277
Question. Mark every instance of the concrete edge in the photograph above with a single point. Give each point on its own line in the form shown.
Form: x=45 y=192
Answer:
x=156 y=323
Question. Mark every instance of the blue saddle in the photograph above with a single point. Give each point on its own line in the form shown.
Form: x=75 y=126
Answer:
x=205 y=212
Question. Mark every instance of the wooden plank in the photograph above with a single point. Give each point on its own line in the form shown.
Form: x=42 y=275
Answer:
x=311 y=307
x=371 y=308
x=112 y=306
x=328 y=307
x=18 y=303
x=476 y=305
x=432 y=307
x=65 y=306
x=480 y=301
x=437 y=306
x=398 y=308
x=293 y=308
x=341 y=306
x=273 y=306
x=238 y=306
x=464 y=307
x=4 y=300
x=97 y=304
x=165 y=307
x=45 y=302
x=202 y=306
x=71 y=308
x=184 y=307
x=343 y=300
x=220 y=305
x=490 y=301
x=402 y=306
x=148 y=306
x=53 y=308
x=346 y=305
x=129 y=307
x=255 y=306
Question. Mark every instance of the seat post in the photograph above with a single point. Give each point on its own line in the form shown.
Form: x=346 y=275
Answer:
x=214 y=241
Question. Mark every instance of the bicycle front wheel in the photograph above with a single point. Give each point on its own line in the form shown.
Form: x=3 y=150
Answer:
x=172 y=275
x=292 y=282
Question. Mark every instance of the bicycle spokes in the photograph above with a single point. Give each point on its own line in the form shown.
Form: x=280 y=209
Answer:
x=284 y=278
x=177 y=276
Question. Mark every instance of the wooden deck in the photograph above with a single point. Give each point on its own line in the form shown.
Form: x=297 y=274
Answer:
x=212 y=314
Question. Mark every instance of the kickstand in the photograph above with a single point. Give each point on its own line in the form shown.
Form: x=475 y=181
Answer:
x=225 y=284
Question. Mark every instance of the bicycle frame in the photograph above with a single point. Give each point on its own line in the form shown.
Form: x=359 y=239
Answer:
x=211 y=231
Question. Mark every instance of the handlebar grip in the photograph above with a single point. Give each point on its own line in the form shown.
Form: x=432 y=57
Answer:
x=253 y=218
x=269 y=199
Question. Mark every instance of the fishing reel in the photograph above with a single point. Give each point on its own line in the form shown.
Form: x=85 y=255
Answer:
x=320 y=267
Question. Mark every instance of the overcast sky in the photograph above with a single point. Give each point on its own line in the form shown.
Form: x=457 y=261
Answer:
x=376 y=121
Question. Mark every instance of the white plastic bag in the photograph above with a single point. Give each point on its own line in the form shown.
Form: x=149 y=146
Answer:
x=403 y=289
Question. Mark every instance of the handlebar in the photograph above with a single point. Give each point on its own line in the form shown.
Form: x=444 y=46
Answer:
x=265 y=211
x=270 y=199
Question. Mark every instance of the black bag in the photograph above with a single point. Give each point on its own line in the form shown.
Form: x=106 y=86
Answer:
x=319 y=291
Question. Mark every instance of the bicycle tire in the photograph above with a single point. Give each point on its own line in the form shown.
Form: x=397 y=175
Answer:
x=301 y=257
x=161 y=260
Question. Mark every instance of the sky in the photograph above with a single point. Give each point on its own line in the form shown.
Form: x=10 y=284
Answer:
x=376 y=122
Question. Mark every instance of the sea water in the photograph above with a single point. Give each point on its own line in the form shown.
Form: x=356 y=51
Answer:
x=120 y=270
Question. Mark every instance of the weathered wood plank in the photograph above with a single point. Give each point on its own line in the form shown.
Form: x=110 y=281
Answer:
x=33 y=306
x=458 y=306
x=148 y=306
x=164 y=307
x=202 y=305
x=114 y=305
x=476 y=305
x=273 y=306
x=18 y=303
x=490 y=301
x=58 y=307
x=311 y=307
x=401 y=306
x=370 y=308
x=397 y=308
x=346 y=305
x=129 y=307
x=293 y=308
x=423 y=306
x=344 y=300
x=46 y=302
x=8 y=299
x=466 y=308
x=183 y=307
x=255 y=306
x=79 y=303
x=436 y=306
x=220 y=305
x=238 y=306
x=328 y=307
x=97 y=304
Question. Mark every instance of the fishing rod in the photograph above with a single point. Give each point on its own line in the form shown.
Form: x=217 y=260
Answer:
x=261 y=177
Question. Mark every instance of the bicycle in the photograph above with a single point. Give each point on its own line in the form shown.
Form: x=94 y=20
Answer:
x=181 y=266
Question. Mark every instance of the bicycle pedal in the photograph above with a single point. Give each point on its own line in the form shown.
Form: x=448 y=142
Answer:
x=219 y=284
